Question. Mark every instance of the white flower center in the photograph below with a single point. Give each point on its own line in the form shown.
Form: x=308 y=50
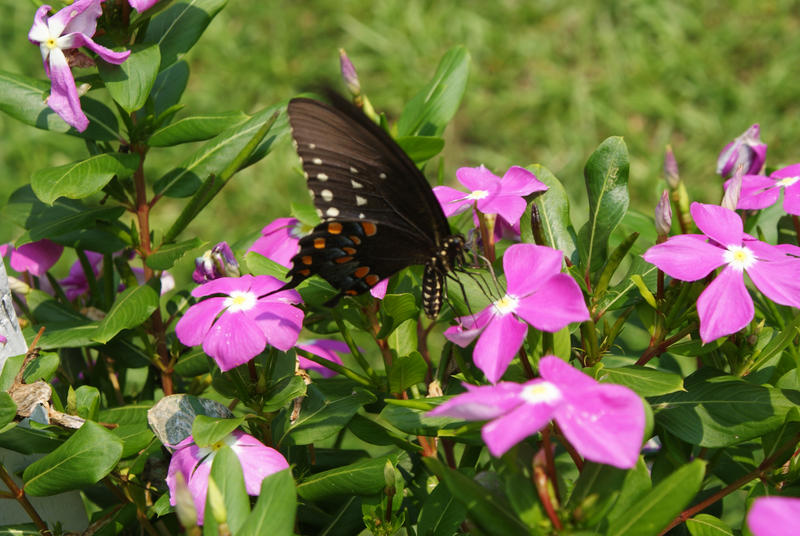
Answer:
x=240 y=301
x=541 y=393
x=478 y=194
x=50 y=43
x=787 y=181
x=507 y=304
x=739 y=257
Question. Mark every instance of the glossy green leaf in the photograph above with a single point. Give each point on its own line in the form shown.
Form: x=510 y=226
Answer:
x=171 y=418
x=396 y=309
x=717 y=411
x=361 y=478
x=23 y=98
x=179 y=27
x=708 y=525
x=8 y=409
x=131 y=81
x=406 y=371
x=644 y=381
x=281 y=393
x=167 y=255
x=653 y=512
x=21 y=438
x=42 y=368
x=195 y=128
x=636 y=484
x=168 y=87
x=606 y=178
x=553 y=207
x=132 y=429
x=258 y=264
x=193 y=363
x=596 y=491
x=86 y=457
x=413 y=421
x=441 y=513
x=491 y=515
x=429 y=111
x=82 y=178
x=226 y=470
x=421 y=148
x=276 y=507
x=321 y=417
x=208 y=430
x=88 y=401
x=131 y=308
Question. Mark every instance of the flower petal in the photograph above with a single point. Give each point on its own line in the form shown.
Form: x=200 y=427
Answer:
x=778 y=280
x=527 y=266
x=193 y=326
x=258 y=461
x=563 y=375
x=719 y=223
x=186 y=460
x=451 y=200
x=557 y=303
x=276 y=241
x=519 y=181
x=223 y=285
x=82 y=40
x=791 y=199
x=503 y=433
x=39 y=31
x=63 y=98
x=142 y=5
x=469 y=327
x=263 y=284
x=81 y=16
x=36 y=257
x=498 y=344
x=757 y=192
x=685 y=257
x=724 y=307
x=604 y=424
x=774 y=516
x=481 y=403
x=509 y=207
x=279 y=322
x=234 y=339
x=326 y=349
x=478 y=178
x=379 y=290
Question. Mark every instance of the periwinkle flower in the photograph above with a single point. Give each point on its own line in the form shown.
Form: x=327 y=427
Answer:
x=217 y=262
x=194 y=464
x=774 y=516
x=604 y=422
x=725 y=306
x=142 y=5
x=325 y=348
x=36 y=258
x=70 y=28
x=759 y=191
x=279 y=240
x=746 y=150
x=537 y=293
x=671 y=168
x=349 y=75
x=663 y=219
x=237 y=321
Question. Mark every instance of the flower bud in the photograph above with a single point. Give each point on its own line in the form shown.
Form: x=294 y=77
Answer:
x=215 y=263
x=671 y=168
x=349 y=74
x=734 y=189
x=184 y=502
x=216 y=502
x=747 y=150
x=663 y=215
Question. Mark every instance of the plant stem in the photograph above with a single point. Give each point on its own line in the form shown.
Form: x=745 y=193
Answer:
x=22 y=499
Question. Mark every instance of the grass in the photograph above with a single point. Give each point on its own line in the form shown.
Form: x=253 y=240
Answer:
x=549 y=81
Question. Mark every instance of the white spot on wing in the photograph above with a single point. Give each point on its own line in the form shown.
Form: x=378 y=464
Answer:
x=312 y=146
x=382 y=175
x=353 y=170
x=317 y=161
x=322 y=177
x=356 y=184
x=327 y=195
x=332 y=212
x=360 y=200
x=361 y=216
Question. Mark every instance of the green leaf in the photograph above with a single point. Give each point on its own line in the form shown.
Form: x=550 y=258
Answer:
x=131 y=81
x=23 y=98
x=193 y=363
x=208 y=430
x=606 y=177
x=406 y=371
x=413 y=420
x=8 y=409
x=195 y=128
x=172 y=417
x=167 y=255
x=653 y=512
x=258 y=264
x=707 y=525
x=226 y=470
x=321 y=417
x=276 y=507
x=720 y=411
x=281 y=393
x=429 y=111
x=596 y=491
x=43 y=368
x=360 y=478
x=637 y=483
x=178 y=28
x=82 y=178
x=216 y=154
x=88 y=401
x=420 y=148
x=86 y=457
x=491 y=515
x=643 y=380
x=168 y=87
x=19 y=438
x=375 y=431
x=778 y=439
x=553 y=208
x=130 y=309
x=132 y=430
x=396 y=309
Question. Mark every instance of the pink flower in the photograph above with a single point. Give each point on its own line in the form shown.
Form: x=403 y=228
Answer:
x=760 y=192
x=194 y=463
x=75 y=284
x=538 y=293
x=142 y=5
x=326 y=349
x=279 y=239
x=490 y=193
x=774 y=516
x=34 y=257
x=215 y=263
x=725 y=306
x=604 y=422
x=747 y=150
x=70 y=28
x=237 y=326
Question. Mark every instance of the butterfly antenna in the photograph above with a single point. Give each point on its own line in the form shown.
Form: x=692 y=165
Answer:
x=450 y=275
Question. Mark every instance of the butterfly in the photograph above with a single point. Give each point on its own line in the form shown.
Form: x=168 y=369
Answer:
x=379 y=214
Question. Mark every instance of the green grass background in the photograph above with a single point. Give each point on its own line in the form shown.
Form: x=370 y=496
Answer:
x=549 y=81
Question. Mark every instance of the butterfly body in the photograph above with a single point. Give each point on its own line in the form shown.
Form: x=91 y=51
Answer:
x=378 y=211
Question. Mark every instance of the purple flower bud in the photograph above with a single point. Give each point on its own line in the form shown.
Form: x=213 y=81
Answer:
x=671 y=168
x=215 y=263
x=747 y=150
x=663 y=215
x=349 y=74
x=734 y=189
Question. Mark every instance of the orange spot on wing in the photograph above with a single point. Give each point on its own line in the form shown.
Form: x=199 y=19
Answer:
x=307 y=260
x=342 y=260
x=334 y=227
x=361 y=271
x=354 y=239
x=304 y=272
x=319 y=243
x=372 y=280
x=369 y=228
x=349 y=251
x=351 y=292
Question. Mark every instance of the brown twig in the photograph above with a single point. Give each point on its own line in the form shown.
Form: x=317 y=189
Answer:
x=22 y=499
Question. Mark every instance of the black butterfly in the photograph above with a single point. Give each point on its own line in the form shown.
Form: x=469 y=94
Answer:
x=379 y=213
